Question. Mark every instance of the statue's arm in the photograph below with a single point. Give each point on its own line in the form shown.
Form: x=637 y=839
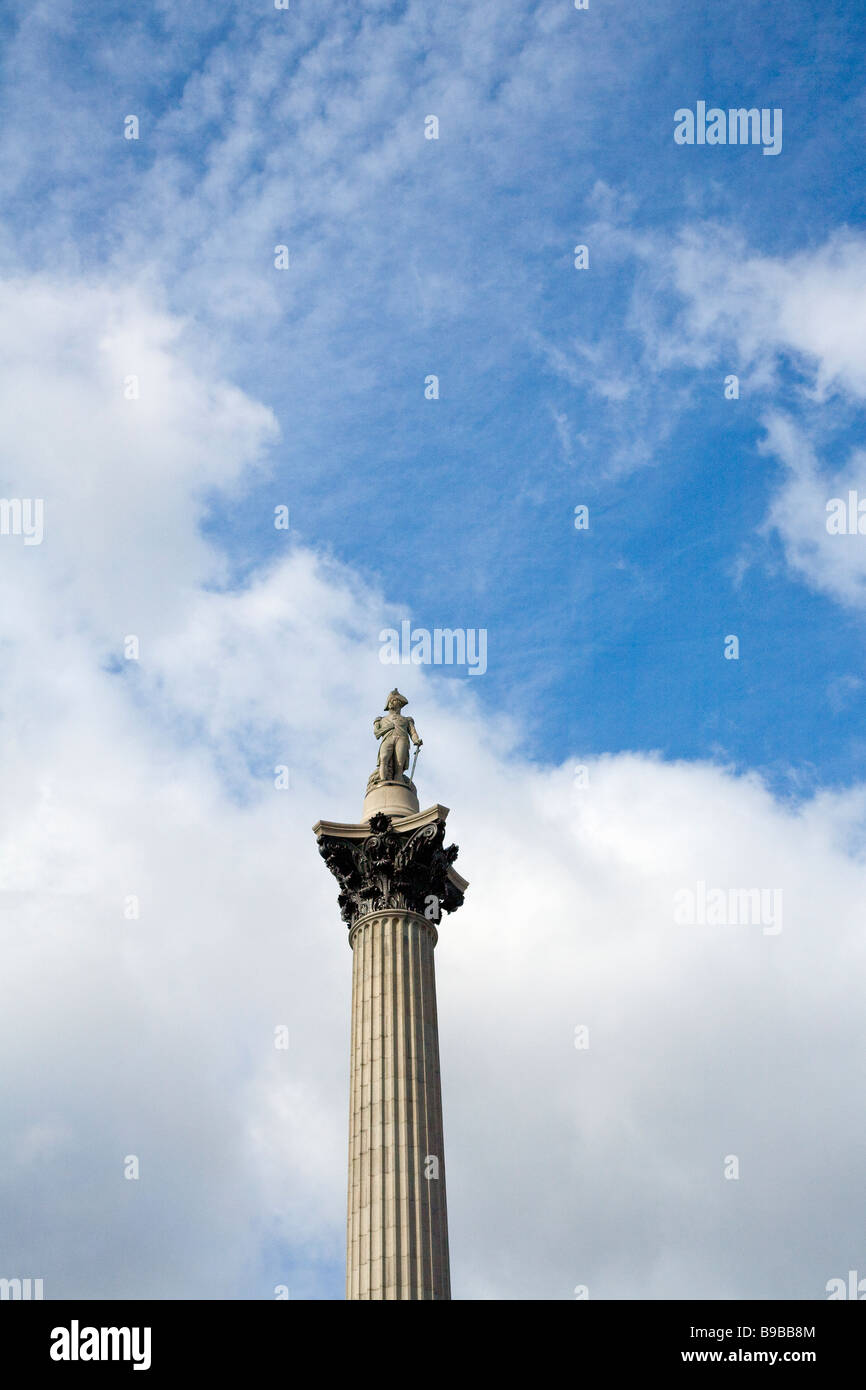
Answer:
x=413 y=734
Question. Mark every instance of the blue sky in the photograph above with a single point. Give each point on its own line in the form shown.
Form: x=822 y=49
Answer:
x=454 y=256
x=558 y=387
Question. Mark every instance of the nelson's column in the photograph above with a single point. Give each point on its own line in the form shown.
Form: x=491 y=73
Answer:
x=396 y=876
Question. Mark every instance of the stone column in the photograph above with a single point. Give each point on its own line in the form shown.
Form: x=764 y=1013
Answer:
x=397 y=1238
x=396 y=879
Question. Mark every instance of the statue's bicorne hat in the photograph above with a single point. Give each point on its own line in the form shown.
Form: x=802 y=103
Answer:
x=402 y=698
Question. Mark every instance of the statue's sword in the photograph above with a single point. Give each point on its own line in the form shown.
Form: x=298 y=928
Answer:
x=414 y=761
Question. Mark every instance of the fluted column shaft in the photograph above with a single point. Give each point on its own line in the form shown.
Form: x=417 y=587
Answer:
x=397 y=1227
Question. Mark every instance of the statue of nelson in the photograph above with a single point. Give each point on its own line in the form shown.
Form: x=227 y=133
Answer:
x=395 y=730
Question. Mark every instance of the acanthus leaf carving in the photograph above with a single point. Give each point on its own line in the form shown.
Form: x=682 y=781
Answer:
x=390 y=870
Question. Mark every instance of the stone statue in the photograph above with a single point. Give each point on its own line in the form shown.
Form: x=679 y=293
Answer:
x=395 y=730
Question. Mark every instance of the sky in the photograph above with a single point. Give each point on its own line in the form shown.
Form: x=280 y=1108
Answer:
x=167 y=385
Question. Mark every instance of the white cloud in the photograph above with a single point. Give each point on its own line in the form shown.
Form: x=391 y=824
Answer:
x=835 y=564
x=811 y=305
x=155 y=1036
x=125 y=481
x=795 y=323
